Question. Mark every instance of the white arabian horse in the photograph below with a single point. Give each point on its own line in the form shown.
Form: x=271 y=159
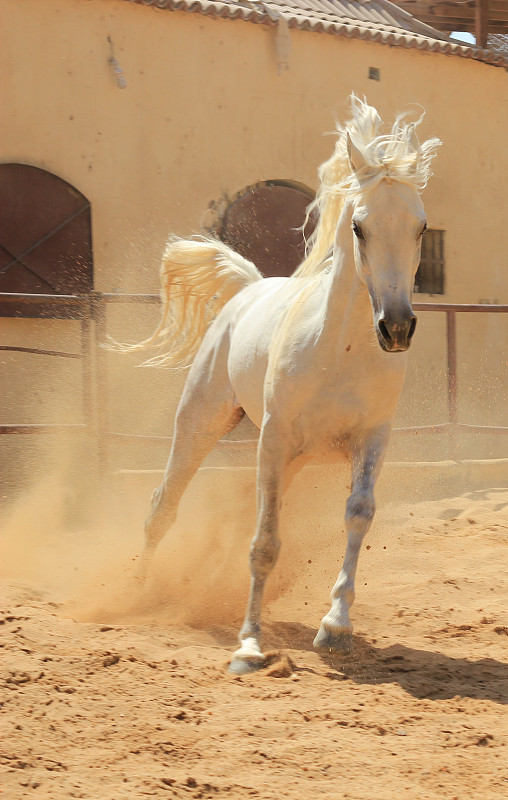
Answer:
x=317 y=360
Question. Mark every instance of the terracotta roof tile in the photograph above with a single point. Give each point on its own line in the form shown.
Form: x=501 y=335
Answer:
x=373 y=20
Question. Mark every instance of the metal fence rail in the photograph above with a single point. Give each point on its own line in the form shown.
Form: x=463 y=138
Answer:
x=81 y=309
x=453 y=426
x=91 y=312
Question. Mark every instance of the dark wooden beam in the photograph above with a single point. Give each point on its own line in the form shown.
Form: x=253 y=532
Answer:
x=481 y=22
x=481 y=27
x=448 y=16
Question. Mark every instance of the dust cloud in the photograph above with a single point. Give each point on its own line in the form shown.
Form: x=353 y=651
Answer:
x=86 y=559
x=81 y=549
x=76 y=533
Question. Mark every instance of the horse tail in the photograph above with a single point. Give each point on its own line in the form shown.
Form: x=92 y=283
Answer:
x=198 y=277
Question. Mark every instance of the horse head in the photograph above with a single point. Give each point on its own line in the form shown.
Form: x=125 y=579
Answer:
x=387 y=174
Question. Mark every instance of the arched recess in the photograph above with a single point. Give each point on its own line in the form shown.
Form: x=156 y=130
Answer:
x=45 y=239
x=263 y=223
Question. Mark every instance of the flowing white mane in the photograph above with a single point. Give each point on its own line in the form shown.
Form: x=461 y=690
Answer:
x=397 y=155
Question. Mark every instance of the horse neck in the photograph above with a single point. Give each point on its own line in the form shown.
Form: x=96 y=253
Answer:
x=348 y=307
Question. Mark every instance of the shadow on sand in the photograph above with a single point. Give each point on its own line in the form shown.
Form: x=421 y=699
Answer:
x=425 y=674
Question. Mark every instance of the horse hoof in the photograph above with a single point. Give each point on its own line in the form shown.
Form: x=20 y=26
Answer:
x=333 y=641
x=248 y=658
x=242 y=666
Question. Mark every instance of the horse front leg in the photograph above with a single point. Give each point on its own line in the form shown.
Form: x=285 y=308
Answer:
x=264 y=550
x=335 y=632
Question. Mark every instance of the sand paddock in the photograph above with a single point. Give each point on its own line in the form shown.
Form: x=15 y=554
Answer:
x=112 y=692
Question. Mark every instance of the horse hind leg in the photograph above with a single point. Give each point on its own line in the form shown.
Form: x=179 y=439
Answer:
x=207 y=411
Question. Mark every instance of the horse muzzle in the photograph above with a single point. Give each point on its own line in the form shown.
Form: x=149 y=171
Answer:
x=394 y=332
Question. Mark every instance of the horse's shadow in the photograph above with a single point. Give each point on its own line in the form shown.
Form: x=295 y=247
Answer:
x=425 y=674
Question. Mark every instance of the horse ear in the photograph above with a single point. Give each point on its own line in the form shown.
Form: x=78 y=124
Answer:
x=356 y=159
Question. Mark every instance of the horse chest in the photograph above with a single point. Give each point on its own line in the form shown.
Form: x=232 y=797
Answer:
x=327 y=413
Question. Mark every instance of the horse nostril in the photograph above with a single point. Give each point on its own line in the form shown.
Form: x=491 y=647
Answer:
x=396 y=335
x=383 y=330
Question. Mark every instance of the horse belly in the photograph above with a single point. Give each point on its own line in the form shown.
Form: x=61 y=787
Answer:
x=247 y=364
x=258 y=310
x=247 y=381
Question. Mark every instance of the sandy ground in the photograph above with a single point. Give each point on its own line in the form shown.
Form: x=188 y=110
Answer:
x=112 y=692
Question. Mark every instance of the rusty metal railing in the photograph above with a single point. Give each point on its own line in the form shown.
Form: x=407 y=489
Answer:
x=81 y=310
x=453 y=426
x=90 y=311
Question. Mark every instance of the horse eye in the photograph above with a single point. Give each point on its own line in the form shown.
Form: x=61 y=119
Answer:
x=358 y=232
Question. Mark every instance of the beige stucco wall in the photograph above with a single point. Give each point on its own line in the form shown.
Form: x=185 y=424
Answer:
x=204 y=113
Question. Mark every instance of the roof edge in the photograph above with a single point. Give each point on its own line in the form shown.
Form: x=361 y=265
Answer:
x=259 y=11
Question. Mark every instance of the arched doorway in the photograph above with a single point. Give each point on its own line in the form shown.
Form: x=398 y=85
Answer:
x=45 y=238
x=263 y=223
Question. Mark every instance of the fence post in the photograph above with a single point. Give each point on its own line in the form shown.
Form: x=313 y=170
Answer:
x=101 y=385
x=451 y=343
x=87 y=367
